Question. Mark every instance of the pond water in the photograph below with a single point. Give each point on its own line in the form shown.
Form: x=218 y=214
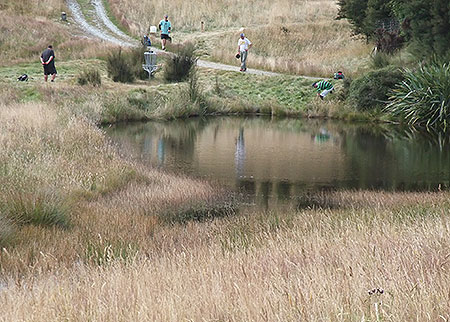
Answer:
x=279 y=159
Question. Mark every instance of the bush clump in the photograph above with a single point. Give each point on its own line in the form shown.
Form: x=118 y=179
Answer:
x=178 y=67
x=126 y=66
x=136 y=59
x=372 y=90
x=423 y=99
x=89 y=77
x=119 y=67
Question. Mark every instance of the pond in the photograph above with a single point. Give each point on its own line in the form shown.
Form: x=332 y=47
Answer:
x=273 y=160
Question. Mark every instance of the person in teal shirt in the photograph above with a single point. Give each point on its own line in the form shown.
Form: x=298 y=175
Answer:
x=165 y=27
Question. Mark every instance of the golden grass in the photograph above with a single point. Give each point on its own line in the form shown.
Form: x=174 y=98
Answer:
x=298 y=37
x=59 y=168
x=48 y=8
x=316 y=49
x=312 y=265
x=187 y=16
x=28 y=36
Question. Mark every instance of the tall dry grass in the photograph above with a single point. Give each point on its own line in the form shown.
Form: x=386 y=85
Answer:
x=26 y=37
x=309 y=265
x=63 y=185
x=48 y=8
x=299 y=37
x=313 y=48
x=187 y=16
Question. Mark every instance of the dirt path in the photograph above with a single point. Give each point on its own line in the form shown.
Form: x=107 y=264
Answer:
x=100 y=30
x=104 y=29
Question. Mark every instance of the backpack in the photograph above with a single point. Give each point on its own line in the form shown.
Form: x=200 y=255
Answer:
x=23 y=78
x=339 y=75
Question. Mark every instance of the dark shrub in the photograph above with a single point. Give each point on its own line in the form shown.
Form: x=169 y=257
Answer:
x=345 y=90
x=136 y=59
x=179 y=66
x=89 y=77
x=372 y=90
x=380 y=60
x=119 y=67
x=388 y=41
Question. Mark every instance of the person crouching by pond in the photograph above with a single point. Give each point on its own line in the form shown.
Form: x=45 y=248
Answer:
x=243 y=46
x=48 y=61
x=323 y=88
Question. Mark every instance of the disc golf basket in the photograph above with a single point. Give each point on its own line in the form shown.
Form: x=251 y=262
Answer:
x=150 y=63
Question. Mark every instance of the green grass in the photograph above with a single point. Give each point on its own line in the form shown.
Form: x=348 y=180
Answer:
x=290 y=92
x=220 y=92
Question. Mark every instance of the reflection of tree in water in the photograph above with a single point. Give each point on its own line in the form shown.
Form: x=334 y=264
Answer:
x=371 y=156
x=388 y=157
x=179 y=138
x=174 y=138
x=239 y=155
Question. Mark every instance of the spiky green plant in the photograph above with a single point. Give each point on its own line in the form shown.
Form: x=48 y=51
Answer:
x=423 y=98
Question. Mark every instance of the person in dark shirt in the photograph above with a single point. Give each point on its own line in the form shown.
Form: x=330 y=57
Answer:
x=48 y=61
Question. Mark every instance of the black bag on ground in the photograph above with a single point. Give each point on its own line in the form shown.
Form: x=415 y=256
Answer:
x=23 y=78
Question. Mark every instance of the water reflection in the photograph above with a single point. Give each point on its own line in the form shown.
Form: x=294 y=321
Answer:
x=277 y=160
x=239 y=156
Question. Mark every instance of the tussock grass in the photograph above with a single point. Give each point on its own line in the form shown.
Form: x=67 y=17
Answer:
x=89 y=77
x=312 y=264
x=423 y=98
x=178 y=67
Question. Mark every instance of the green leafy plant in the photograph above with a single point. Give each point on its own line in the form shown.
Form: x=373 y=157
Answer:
x=423 y=99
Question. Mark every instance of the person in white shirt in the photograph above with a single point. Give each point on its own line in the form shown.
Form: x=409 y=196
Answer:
x=243 y=46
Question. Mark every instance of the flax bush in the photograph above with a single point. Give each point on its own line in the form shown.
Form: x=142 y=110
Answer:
x=423 y=99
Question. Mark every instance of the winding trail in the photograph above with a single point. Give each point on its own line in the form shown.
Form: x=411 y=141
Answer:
x=105 y=30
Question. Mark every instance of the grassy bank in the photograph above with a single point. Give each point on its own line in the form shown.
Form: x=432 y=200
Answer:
x=364 y=256
x=218 y=92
